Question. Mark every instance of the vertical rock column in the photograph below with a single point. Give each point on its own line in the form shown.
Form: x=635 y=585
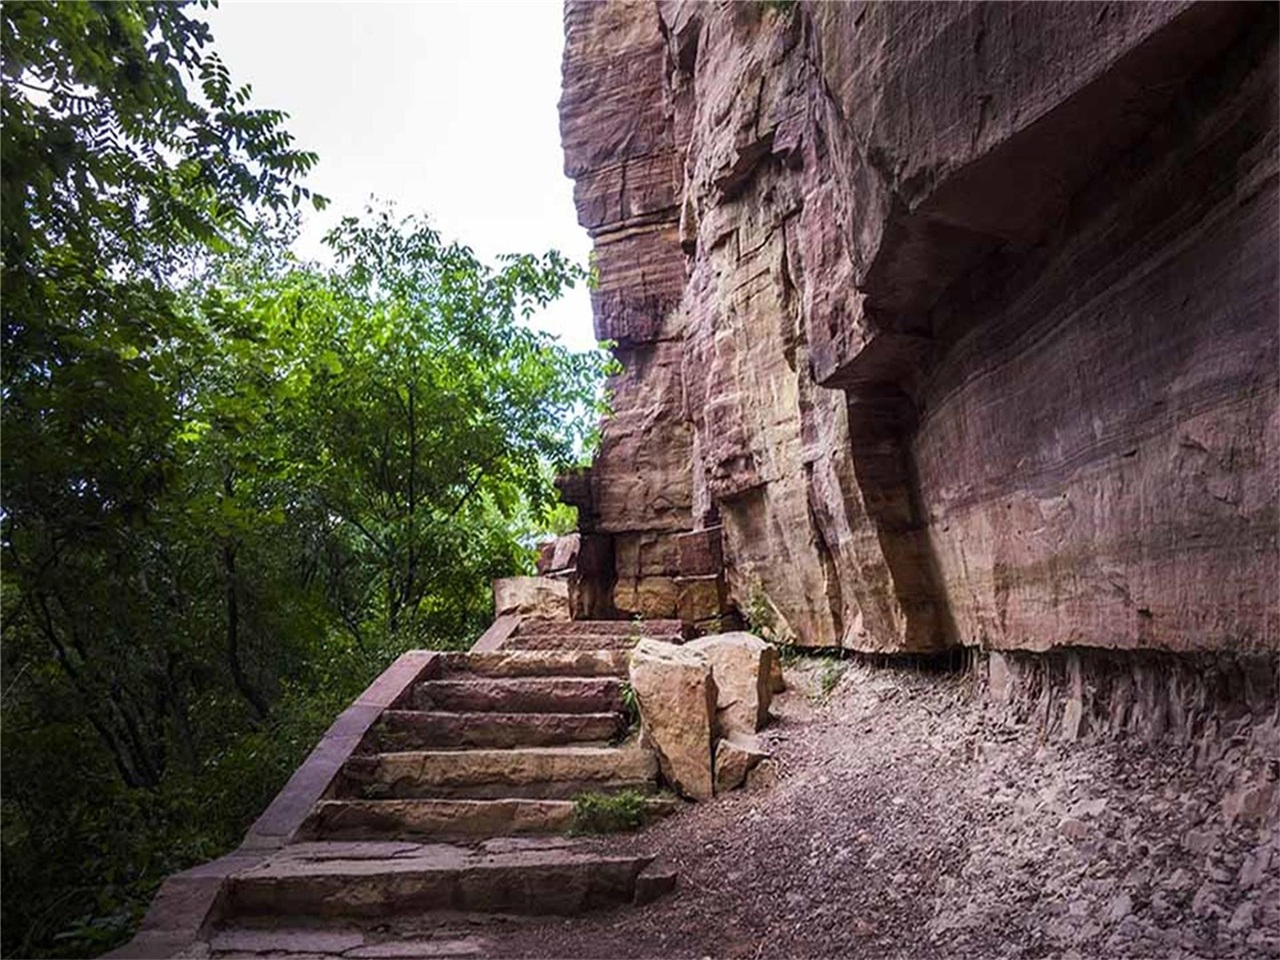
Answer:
x=763 y=203
x=620 y=149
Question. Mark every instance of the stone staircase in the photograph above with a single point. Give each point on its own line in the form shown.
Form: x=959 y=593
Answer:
x=459 y=796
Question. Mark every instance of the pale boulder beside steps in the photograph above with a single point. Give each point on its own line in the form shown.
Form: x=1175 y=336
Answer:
x=743 y=667
x=676 y=693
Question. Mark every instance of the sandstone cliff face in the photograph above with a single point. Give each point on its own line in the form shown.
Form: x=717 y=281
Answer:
x=941 y=323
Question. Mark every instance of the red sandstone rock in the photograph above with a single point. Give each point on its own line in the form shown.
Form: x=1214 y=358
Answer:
x=531 y=597
x=974 y=341
x=741 y=666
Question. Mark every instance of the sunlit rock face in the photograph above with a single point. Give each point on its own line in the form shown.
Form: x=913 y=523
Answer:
x=940 y=323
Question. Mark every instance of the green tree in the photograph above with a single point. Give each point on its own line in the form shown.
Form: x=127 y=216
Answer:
x=234 y=486
x=127 y=158
x=116 y=177
x=424 y=414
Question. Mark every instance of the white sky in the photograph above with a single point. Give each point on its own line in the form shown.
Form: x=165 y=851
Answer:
x=447 y=108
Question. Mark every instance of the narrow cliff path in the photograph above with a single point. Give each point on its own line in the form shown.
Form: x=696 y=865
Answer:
x=906 y=822
x=903 y=820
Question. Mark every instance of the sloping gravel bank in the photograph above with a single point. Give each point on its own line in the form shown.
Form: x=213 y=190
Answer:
x=907 y=821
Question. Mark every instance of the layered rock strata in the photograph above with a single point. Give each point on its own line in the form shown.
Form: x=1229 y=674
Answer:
x=940 y=323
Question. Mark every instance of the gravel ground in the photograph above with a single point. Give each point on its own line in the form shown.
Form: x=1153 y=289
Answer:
x=907 y=821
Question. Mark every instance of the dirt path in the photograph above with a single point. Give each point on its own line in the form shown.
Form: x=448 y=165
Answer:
x=905 y=822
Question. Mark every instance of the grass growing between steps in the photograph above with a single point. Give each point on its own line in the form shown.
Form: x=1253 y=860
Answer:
x=630 y=705
x=609 y=812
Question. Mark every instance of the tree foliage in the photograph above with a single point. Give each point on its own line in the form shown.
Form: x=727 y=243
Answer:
x=234 y=485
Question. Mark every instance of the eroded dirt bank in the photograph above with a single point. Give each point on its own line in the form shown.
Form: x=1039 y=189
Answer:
x=907 y=821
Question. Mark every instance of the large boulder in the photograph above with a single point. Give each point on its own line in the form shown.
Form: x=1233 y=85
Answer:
x=676 y=694
x=741 y=663
x=543 y=598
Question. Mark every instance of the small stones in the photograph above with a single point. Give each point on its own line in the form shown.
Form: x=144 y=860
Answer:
x=735 y=757
x=1180 y=880
x=1249 y=803
x=1089 y=808
x=1121 y=907
x=1129 y=927
x=763 y=776
x=1242 y=917
x=1073 y=829
x=1205 y=902
x=1220 y=875
x=1160 y=906
x=1254 y=868
x=1198 y=841
x=652 y=882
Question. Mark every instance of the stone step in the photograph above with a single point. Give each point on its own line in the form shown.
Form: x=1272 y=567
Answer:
x=521 y=695
x=253 y=938
x=571 y=642
x=618 y=636
x=672 y=630
x=404 y=819
x=535 y=663
x=374 y=819
x=546 y=773
x=422 y=729
x=372 y=880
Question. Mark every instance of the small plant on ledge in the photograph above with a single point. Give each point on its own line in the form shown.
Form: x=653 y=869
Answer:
x=608 y=812
x=763 y=619
x=630 y=705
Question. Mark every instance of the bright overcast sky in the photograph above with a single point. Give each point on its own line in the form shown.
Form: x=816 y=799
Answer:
x=446 y=108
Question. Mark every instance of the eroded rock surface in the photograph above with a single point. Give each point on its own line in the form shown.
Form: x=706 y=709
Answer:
x=736 y=756
x=742 y=665
x=941 y=323
x=543 y=598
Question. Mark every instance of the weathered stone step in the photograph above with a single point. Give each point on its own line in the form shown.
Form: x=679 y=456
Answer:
x=423 y=729
x=367 y=880
x=657 y=629
x=255 y=938
x=374 y=819
x=521 y=695
x=551 y=773
x=585 y=635
x=621 y=643
x=535 y=663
